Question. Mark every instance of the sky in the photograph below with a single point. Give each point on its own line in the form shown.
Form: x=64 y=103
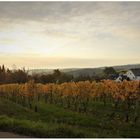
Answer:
x=69 y=34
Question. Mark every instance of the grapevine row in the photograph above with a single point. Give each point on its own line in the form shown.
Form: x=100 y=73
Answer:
x=77 y=96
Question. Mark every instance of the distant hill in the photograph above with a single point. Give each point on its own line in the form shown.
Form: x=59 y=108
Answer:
x=72 y=71
x=84 y=71
x=49 y=71
x=40 y=71
x=126 y=67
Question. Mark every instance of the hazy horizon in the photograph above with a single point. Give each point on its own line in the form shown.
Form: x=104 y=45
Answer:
x=69 y=34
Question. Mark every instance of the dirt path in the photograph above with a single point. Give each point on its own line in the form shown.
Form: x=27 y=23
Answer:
x=11 y=135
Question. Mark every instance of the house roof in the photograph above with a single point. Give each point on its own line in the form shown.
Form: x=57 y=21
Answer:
x=136 y=72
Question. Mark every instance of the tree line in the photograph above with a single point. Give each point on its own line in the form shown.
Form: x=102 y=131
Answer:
x=8 y=76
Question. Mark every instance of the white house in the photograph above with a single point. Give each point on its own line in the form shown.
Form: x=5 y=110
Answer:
x=133 y=74
x=122 y=77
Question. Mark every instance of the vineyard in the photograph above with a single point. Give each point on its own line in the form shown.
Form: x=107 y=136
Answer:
x=122 y=98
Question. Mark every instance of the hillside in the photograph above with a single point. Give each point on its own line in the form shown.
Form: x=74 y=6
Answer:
x=84 y=71
x=126 y=67
x=52 y=121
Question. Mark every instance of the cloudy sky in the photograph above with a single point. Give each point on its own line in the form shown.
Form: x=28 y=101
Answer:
x=69 y=34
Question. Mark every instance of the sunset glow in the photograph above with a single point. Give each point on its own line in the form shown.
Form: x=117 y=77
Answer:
x=69 y=34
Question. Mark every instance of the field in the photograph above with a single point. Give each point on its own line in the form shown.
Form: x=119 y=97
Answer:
x=83 y=109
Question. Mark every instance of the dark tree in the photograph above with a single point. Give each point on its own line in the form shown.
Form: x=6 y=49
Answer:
x=109 y=71
x=20 y=76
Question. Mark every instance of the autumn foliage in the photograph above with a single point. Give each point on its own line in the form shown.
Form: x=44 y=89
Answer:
x=77 y=96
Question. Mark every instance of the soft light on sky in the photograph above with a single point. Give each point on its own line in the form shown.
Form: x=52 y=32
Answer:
x=69 y=34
